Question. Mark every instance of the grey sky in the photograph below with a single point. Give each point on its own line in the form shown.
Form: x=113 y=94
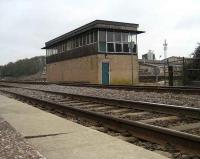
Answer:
x=25 y=25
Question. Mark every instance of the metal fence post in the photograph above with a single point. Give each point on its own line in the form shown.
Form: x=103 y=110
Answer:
x=183 y=74
x=170 y=71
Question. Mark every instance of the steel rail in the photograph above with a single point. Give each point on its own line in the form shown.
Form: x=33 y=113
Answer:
x=182 y=141
x=148 y=106
x=156 y=107
x=174 y=89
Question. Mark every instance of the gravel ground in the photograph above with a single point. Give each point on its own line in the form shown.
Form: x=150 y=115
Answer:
x=13 y=145
x=36 y=94
x=164 y=98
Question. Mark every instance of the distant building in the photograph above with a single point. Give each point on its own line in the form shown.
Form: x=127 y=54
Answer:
x=149 y=56
x=173 y=59
x=150 y=67
x=147 y=67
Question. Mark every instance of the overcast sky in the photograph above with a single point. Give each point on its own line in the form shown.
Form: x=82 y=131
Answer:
x=25 y=25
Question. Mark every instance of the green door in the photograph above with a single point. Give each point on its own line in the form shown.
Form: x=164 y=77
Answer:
x=105 y=73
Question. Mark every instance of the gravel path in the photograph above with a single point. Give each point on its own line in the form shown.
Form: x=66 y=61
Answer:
x=13 y=145
x=165 y=98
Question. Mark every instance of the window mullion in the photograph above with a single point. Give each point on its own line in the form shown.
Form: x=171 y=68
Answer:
x=98 y=43
x=122 y=42
x=106 y=42
x=114 y=42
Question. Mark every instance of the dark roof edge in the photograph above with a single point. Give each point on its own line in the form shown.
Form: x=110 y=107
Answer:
x=116 y=23
x=89 y=26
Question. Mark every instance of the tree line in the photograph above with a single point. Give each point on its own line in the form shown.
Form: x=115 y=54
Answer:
x=196 y=53
x=192 y=66
x=23 y=67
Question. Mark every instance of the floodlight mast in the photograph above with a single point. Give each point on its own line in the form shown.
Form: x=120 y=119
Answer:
x=165 y=48
x=165 y=57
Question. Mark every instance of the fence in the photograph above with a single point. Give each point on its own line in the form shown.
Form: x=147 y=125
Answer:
x=191 y=71
x=182 y=71
x=173 y=71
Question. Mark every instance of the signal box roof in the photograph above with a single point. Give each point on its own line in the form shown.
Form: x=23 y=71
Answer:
x=97 y=24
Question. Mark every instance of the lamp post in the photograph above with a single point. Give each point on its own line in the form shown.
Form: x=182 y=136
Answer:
x=131 y=45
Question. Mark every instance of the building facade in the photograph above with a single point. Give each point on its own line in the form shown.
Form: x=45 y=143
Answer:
x=98 y=52
x=149 y=56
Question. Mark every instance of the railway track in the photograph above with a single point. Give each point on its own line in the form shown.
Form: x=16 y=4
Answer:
x=173 y=89
x=158 y=123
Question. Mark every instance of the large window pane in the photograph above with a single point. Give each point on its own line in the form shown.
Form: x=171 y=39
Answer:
x=102 y=46
x=59 y=49
x=125 y=37
x=55 y=51
x=77 y=42
x=110 y=36
x=80 y=41
x=88 y=38
x=95 y=36
x=62 y=47
x=69 y=45
x=135 y=47
x=84 y=39
x=102 y=36
x=56 y=48
x=110 y=47
x=125 y=48
x=49 y=52
x=65 y=45
x=118 y=47
x=73 y=43
x=52 y=53
x=133 y=37
x=91 y=37
x=118 y=37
